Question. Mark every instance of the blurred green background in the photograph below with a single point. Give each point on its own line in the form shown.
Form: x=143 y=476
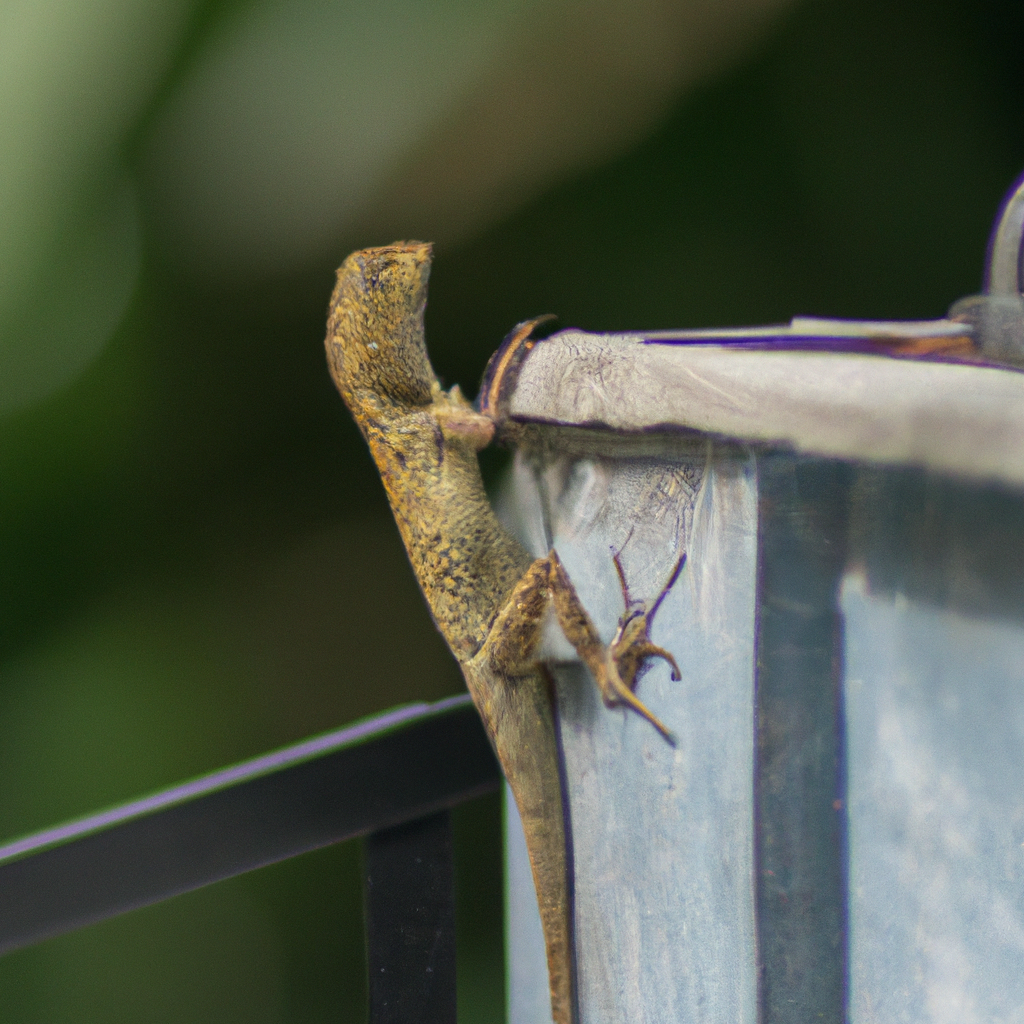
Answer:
x=196 y=560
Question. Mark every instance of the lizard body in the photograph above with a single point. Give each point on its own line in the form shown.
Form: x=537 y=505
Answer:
x=488 y=596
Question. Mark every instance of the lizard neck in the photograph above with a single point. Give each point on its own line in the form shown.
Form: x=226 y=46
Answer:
x=466 y=562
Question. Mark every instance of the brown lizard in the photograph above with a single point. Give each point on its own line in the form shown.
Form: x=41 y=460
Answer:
x=488 y=596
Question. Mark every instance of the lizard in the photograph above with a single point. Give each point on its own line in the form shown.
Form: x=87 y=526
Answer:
x=488 y=596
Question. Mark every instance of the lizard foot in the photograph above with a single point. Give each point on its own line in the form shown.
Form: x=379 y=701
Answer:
x=631 y=647
x=615 y=693
x=615 y=666
x=644 y=650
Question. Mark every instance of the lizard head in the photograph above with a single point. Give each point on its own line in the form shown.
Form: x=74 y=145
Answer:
x=375 y=346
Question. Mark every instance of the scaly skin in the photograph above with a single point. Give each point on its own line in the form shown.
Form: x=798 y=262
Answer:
x=487 y=595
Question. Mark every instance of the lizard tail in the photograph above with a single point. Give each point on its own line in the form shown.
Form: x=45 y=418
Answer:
x=519 y=719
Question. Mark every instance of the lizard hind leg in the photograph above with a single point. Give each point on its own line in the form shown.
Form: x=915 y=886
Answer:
x=606 y=661
x=512 y=643
x=513 y=638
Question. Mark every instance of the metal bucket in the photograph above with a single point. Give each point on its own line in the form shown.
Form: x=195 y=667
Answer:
x=839 y=832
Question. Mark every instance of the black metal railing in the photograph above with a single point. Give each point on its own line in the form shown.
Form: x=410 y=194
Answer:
x=392 y=779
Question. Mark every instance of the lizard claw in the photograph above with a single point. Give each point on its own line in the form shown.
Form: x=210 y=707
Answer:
x=648 y=650
x=615 y=693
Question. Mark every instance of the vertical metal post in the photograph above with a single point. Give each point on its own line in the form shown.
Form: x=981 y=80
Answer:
x=410 y=923
x=799 y=785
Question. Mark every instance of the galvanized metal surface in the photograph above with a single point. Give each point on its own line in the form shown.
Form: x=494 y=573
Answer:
x=662 y=837
x=840 y=834
x=884 y=809
x=960 y=419
x=936 y=812
x=933 y=607
x=803 y=514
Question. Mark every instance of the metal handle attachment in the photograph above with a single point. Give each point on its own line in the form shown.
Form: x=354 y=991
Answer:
x=997 y=316
x=1004 y=274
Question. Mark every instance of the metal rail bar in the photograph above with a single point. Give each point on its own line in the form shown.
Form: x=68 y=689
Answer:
x=410 y=922
x=380 y=773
